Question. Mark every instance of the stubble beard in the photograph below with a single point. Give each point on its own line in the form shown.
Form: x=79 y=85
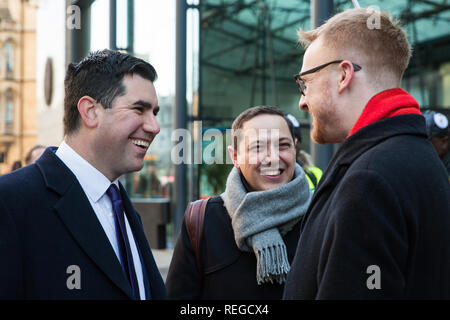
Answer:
x=324 y=120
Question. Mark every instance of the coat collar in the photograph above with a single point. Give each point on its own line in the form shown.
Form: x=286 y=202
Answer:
x=76 y=213
x=360 y=142
x=373 y=134
x=93 y=182
x=386 y=104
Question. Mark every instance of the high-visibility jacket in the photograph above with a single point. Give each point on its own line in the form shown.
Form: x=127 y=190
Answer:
x=313 y=175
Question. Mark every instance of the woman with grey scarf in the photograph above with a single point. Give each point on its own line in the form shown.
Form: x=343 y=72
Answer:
x=250 y=232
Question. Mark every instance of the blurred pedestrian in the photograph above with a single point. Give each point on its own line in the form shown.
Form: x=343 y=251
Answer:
x=34 y=153
x=147 y=184
x=16 y=165
x=438 y=133
x=378 y=226
x=250 y=232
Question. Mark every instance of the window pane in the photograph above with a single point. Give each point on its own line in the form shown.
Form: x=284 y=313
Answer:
x=100 y=25
x=9 y=117
x=9 y=56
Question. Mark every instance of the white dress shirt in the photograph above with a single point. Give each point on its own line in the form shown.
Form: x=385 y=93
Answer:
x=94 y=185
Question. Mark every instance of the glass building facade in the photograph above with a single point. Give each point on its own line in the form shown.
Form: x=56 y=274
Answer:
x=249 y=52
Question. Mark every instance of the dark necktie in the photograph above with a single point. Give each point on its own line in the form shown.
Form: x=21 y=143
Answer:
x=126 y=258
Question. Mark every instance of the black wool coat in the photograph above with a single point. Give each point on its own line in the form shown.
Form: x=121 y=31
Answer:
x=378 y=226
x=228 y=273
x=50 y=236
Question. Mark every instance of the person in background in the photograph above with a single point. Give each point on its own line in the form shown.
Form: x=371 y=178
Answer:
x=438 y=133
x=68 y=228
x=147 y=184
x=33 y=154
x=313 y=173
x=250 y=232
x=16 y=165
x=378 y=226
x=151 y=183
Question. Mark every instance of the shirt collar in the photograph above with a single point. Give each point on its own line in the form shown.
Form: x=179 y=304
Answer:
x=93 y=182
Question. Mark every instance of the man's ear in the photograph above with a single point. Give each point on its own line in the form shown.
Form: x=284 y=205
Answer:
x=346 y=75
x=87 y=108
x=233 y=156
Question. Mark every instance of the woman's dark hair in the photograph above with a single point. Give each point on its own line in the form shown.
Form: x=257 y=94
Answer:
x=16 y=165
x=30 y=153
x=100 y=77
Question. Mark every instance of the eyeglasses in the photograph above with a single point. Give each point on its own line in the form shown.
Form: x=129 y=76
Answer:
x=301 y=84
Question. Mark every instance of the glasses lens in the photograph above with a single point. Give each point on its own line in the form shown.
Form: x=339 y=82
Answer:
x=301 y=85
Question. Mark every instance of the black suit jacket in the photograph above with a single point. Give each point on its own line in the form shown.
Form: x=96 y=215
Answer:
x=48 y=225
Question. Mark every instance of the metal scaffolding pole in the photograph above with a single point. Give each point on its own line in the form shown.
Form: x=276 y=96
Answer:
x=321 y=10
x=179 y=198
x=130 y=20
x=113 y=24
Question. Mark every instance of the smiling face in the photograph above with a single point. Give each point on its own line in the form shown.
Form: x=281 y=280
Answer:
x=265 y=152
x=126 y=130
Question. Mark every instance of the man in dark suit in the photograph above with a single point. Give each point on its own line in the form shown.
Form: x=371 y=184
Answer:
x=67 y=227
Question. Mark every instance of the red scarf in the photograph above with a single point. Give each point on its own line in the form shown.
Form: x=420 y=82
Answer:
x=386 y=104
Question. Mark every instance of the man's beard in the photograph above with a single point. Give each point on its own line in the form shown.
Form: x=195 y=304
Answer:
x=324 y=122
x=318 y=133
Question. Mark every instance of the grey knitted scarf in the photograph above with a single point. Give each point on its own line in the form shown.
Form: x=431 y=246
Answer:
x=261 y=218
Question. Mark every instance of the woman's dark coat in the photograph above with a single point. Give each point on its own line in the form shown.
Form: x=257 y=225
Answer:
x=228 y=273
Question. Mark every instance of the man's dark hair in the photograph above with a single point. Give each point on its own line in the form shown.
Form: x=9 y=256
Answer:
x=250 y=113
x=99 y=76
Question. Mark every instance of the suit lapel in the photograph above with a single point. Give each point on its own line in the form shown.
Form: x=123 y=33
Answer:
x=154 y=279
x=77 y=214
